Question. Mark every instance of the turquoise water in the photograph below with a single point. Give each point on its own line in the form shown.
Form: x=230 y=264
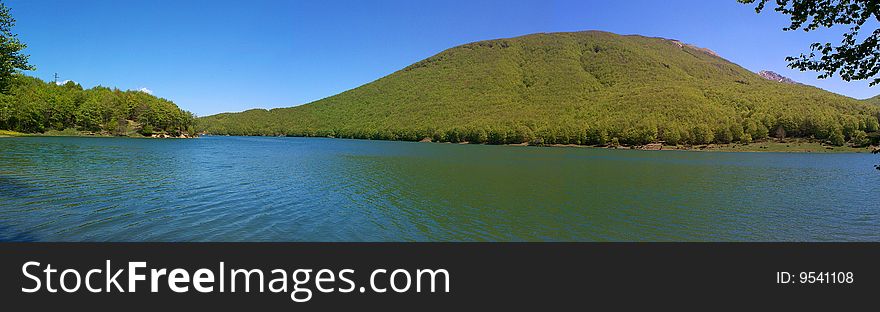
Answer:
x=310 y=189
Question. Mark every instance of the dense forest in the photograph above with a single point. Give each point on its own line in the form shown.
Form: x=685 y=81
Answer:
x=34 y=106
x=592 y=88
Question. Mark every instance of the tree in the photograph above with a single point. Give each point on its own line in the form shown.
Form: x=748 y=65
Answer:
x=11 y=58
x=854 y=58
x=837 y=138
x=860 y=139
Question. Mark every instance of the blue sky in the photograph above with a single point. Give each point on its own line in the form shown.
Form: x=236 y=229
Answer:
x=222 y=56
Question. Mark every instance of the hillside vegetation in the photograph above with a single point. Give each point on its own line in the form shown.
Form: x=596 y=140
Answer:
x=34 y=106
x=592 y=88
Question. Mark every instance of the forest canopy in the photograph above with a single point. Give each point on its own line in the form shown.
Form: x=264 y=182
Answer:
x=35 y=106
x=591 y=88
x=12 y=59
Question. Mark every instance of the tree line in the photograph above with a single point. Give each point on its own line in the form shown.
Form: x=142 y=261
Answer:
x=32 y=105
x=831 y=127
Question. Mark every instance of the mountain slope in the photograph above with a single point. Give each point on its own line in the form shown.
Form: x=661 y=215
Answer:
x=580 y=88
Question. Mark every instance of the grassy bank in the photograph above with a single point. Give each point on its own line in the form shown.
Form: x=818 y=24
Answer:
x=7 y=133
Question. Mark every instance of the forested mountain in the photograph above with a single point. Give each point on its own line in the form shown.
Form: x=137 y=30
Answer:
x=569 y=88
x=34 y=106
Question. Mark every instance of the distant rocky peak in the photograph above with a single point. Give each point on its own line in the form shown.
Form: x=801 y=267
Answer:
x=770 y=75
x=682 y=45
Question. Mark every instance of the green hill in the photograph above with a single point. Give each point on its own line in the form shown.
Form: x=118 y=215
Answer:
x=568 y=88
x=36 y=106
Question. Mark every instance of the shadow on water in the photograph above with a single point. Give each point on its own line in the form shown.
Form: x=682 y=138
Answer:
x=12 y=235
x=15 y=187
x=12 y=187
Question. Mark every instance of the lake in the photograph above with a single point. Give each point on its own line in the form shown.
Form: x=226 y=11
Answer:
x=316 y=189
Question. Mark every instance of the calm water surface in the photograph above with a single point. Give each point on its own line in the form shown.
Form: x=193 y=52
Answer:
x=301 y=189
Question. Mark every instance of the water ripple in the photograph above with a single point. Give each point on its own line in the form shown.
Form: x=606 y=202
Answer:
x=294 y=189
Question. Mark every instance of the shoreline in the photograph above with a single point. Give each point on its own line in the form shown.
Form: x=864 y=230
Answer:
x=13 y=134
x=794 y=145
x=801 y=146
x=807 y=146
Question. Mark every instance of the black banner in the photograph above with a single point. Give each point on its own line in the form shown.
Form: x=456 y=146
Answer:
x=400 y=276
